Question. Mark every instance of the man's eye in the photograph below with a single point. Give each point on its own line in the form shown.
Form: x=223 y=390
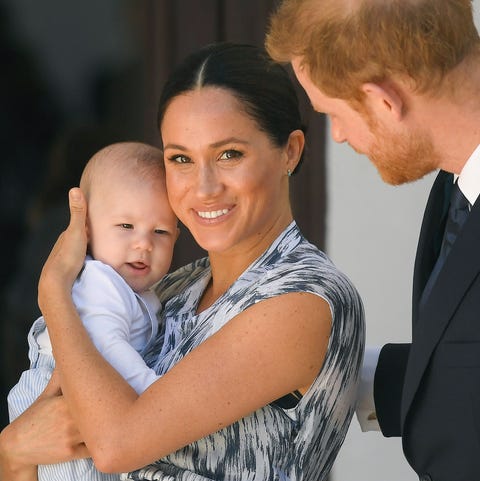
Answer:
x=230 y=154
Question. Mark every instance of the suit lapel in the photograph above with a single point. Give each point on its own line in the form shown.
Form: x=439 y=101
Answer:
x=459 y=271
x=431 y=233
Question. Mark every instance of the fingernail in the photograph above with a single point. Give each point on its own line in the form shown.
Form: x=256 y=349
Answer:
x=74 y=194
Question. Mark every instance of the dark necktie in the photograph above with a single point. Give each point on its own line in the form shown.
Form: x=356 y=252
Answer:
x=457 y=215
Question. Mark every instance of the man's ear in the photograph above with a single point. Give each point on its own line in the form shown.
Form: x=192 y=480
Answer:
x=384 y=99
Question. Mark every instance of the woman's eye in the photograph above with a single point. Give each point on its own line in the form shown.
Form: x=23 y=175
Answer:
x=230 y=154
x=180 y=159
x=126 y=226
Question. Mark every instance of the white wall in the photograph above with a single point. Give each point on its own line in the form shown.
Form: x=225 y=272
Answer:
x=372 y=231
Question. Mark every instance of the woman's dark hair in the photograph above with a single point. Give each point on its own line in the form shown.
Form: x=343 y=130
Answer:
x=261 y=85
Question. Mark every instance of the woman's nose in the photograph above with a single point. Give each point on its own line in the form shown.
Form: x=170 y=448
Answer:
x=208 y=182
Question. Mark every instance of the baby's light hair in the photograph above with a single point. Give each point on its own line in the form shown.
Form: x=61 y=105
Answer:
x=143 y=161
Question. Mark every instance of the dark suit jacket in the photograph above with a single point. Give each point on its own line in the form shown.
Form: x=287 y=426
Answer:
x=429 y=391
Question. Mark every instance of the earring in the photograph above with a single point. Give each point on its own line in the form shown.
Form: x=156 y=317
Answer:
x=289 y=172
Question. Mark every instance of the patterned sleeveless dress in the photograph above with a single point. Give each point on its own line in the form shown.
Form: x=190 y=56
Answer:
x=299 y=443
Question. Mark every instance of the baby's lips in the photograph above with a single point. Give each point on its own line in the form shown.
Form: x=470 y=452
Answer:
x=138 y=265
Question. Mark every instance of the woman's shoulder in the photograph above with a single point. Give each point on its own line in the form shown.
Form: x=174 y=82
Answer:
x=296 y=264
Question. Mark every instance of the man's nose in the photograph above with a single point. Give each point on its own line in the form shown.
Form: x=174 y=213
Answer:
x=337 y=132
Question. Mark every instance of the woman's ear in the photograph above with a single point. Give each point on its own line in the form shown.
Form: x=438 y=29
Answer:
x=384 y=100
x=294 y=149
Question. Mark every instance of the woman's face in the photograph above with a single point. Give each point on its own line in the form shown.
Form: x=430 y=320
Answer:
x=226 y=180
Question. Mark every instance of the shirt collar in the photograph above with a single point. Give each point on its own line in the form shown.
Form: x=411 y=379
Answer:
x=469 y=178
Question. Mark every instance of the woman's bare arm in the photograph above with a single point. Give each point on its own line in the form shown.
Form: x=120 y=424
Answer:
x=272 y=348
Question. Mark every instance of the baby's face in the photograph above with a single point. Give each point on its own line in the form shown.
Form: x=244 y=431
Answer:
x=133 y=229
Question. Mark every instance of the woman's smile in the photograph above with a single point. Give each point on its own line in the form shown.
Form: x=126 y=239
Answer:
x=213 y=214
x=226 y=179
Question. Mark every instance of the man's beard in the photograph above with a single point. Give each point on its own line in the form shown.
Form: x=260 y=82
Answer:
x=402 y=158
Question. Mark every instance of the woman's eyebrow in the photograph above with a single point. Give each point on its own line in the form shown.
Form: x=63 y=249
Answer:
x=174 y=146
x=229 y=140
x=219 y=143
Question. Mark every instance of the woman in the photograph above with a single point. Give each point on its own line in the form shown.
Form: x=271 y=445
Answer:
x=260 y=342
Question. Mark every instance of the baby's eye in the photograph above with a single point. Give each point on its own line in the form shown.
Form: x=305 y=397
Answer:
x=160 y=231
x=126 y=226
x=231 y=154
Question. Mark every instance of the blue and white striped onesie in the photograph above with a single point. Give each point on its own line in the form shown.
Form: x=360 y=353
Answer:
x=120 y=322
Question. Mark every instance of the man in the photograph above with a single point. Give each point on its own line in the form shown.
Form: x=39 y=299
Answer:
x=400 y=81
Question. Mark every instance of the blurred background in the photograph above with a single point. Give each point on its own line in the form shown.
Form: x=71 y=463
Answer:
x=77 y=76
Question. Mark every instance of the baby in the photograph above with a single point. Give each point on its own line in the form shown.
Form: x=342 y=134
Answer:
x=131 y=233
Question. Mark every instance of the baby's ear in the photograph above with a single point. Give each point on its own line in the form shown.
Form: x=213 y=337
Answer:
x=87 y=230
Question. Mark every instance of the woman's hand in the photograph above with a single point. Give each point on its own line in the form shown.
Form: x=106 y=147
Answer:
x=67 y=256
x=43 y=434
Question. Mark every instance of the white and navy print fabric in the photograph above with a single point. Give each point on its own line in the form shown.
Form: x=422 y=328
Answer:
x=295 y=444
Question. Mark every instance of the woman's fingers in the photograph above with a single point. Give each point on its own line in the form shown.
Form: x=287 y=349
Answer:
x=44 y=434
x=68 y=254
x=72 y=248
x=78 y=211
